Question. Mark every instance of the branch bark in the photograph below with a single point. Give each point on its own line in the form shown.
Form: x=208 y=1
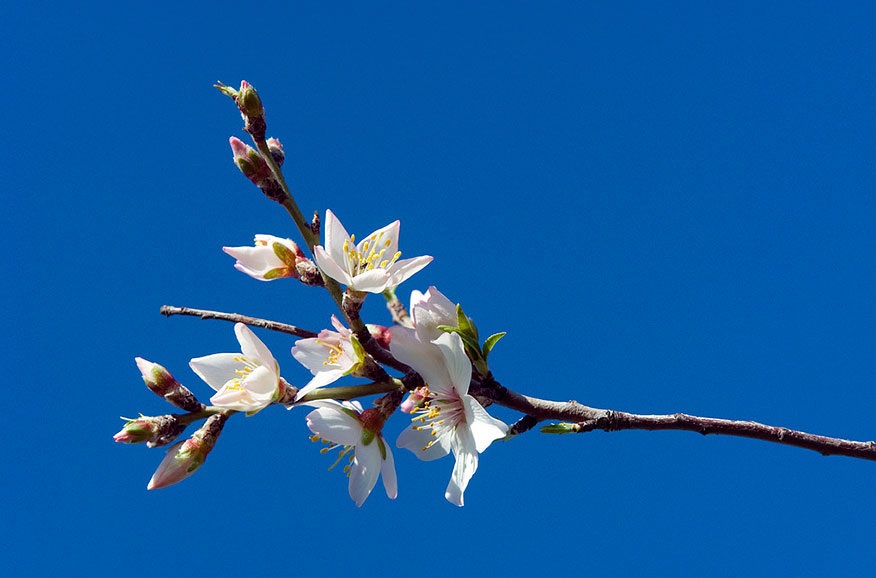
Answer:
x=169 y=310
x=584 y=419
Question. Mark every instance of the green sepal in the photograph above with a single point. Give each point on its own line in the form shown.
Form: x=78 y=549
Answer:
x=284 y=253
x=277 y=273
x=491 y=341
x=382 y=447
x=368 y=436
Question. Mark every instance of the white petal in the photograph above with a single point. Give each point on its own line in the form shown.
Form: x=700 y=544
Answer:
x=363 y=475
x=216 y=369
x=258 y=258
x=415 y=440
x=261 y=383
x=387 y=233
x=456 y=361
x=465 y=467
x=319 y=380
x=253 y=348
x=485 y=428
x=331 y=268
x=373 y=281
x=425 y=358
x=335 y=425
x=335 y=236
x=402 y=270
x=387 y=471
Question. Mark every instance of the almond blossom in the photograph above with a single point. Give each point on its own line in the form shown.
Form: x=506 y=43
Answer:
x=372 y=265
x=248 y=381
x=329 y=356
x=448 y=418
x=429 y=310
x=346 y=425
x=271 y=258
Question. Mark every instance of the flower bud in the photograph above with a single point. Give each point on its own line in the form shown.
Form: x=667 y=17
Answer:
x=277 y=152
x=184 y=458
x=162 y=383
x=155 y=431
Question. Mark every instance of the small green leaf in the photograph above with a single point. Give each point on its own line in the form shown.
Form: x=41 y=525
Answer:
x=462 y=320
x=561 y=428
x=491 y=341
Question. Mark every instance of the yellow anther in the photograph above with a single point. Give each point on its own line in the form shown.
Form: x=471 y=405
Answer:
x=314 y=438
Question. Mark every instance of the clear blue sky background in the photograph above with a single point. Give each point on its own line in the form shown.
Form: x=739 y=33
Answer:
x=667 y=208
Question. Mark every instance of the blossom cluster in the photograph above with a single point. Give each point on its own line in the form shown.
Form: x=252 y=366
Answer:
x=432 y=341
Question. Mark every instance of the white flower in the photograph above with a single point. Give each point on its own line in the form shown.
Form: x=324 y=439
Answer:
x=345 y=425
x=448 y=419
x=248 y=381
x=370 y=266
x=430 y=310
x=271 y=258
x=329 y=356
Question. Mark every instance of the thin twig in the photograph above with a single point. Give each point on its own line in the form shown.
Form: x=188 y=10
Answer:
x=584 y=419
x=169 y=310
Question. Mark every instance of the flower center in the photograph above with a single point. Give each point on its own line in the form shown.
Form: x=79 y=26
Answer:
x=371 y=254
x=440 y=415
x=242 y=373
x=344 y=451
x=335 y=352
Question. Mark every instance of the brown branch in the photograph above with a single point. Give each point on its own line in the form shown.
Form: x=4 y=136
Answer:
x=169 y=310
x=585 y=419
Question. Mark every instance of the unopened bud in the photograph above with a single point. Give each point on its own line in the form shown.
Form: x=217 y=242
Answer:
x=184 y=458
x=380 y=334
x=162 y=383
x=277 y=152
x=154 y=431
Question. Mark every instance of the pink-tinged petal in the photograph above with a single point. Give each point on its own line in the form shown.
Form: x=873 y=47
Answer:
x=485 y=429
x=402 y=270
x=254 y=261
x=235 y=399
x=335 y=236
x=381 y=236
x=431 y=310
x=343 y=331
x=216 y=369
x=416 y=440
x=387 y=472
x=425 y=358
x=465 y=467
x=310 y=353
x=331 y=268
x=363 y=474
x=456 y=361
x=335 y=425
x=253 y=348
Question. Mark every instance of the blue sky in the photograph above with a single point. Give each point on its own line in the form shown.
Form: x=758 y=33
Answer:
x=667 y=208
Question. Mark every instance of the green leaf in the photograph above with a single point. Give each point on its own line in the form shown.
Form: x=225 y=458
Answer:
x=491 y=341
x=462 y=320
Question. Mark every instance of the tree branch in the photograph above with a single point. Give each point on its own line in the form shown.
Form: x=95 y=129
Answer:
x=585 y=419
x=169 y=310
